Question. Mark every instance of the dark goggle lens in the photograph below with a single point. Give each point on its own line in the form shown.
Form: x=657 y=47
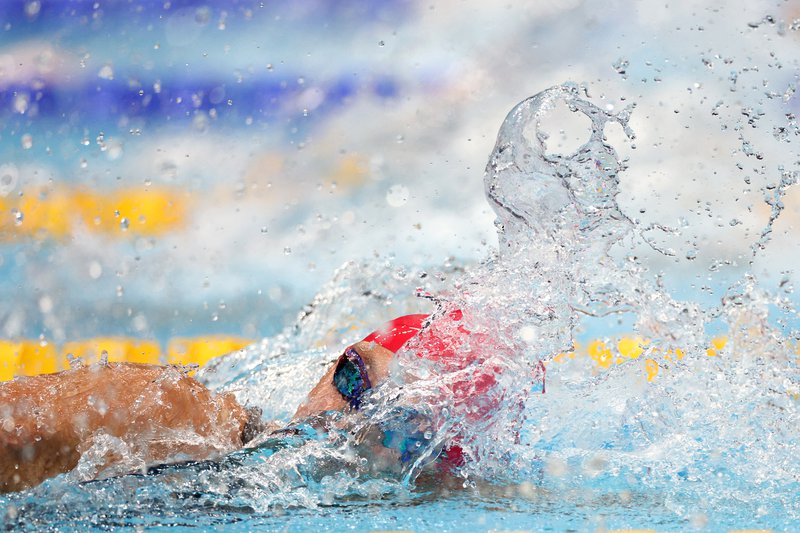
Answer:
x=348 y=380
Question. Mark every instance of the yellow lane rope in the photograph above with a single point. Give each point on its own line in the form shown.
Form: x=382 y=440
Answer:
x=27 y=357
x=59 y=213
x=31 y=357
x=604 y=356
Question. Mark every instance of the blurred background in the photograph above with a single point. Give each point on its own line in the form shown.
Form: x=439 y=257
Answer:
x=182 y=168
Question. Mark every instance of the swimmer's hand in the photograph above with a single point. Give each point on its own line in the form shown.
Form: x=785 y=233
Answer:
x=113 y=419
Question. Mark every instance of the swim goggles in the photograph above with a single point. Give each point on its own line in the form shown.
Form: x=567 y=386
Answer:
x=350 y=377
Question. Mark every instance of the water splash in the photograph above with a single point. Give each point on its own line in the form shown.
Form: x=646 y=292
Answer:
x=722 y=424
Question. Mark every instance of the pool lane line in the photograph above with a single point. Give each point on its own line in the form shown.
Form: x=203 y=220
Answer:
x=28 y=357
x=61 y=213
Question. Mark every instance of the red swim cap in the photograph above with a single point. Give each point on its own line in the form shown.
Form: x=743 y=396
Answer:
x=394 y=334
x=447 y=342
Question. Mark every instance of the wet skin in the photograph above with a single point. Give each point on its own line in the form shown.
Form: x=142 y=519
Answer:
x=47 y=422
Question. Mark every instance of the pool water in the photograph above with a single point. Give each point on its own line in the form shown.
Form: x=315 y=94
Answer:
x=653 y=203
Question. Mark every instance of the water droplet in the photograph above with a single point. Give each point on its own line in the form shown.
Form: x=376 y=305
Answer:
x=21 y=101
x=287 y=251
x=124 y=223
x=169 y=170
x=46 y=304
x=381 y=43
x=200 y=122
x=27 y=141
x=113 y=150
x=120 y=291
x=397 y=196
x=95 y=270
x=32 y=8
x=202 y=15
x=621 y=66
x=83 y=163
x=74 y=362
x=8 y=179
x=18 y=216
x=139 y=322
x=106 y=72
x=104 y=358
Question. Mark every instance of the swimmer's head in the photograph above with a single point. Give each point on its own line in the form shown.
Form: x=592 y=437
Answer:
x=360 y=367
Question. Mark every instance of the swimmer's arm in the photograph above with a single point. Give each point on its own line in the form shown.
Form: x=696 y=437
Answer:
x=48 y=421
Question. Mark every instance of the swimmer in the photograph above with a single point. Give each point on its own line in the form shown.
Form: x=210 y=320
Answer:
x=160 y=415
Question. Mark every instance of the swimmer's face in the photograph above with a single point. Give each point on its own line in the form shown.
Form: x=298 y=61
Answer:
x=325 y=397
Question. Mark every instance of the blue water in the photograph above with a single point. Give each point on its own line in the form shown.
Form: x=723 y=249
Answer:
x=490 y=508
